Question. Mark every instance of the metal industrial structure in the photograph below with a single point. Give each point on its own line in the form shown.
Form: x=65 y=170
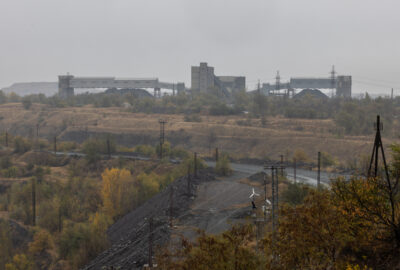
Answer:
x=341 y=85
x=67 y=84
x=204 y=79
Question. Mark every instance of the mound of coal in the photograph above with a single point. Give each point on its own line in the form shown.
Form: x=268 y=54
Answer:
x=129 y=236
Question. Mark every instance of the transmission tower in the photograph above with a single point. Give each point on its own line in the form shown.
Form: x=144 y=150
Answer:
x=375 y=152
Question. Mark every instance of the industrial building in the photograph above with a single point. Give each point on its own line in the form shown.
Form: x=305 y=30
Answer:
x=340 y=84
x=67 y=84
x=204 y=79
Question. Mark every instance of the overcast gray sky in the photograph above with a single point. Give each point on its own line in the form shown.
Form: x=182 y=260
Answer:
x=40 y=39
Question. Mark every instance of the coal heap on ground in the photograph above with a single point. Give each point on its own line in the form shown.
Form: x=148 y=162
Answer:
x=138 y=93
x=129 y=236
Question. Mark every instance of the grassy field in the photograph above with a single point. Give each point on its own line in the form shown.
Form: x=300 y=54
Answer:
x=237 y=135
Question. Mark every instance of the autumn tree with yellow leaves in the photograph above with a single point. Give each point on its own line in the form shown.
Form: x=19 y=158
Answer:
x=115 y=182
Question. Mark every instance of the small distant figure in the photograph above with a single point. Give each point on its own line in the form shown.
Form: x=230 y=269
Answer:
x=253 y=205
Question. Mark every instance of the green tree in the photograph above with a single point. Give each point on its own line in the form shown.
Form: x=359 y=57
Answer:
x=223 y=166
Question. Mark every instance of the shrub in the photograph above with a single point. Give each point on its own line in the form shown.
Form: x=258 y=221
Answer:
x=327 y=160
x=192 y=118
x=11 y=172
x=41 y=242
x=223 y=166
x=145 y=150
x=300 y=156
x=27 y=103
x=21 y=145
x=295 y=193
x=5 y=162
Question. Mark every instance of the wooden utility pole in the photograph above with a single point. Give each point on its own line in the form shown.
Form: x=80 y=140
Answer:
x=59 y=218
x=195 y=164
x=108 y=148
x=275 y=193
x=265 y=198
x=33 y=201
x=171 y=205
x=273 y=197
x=188 y=181
x=151 y=242
x=162 y=136
x=319 y=170
x=55 y=145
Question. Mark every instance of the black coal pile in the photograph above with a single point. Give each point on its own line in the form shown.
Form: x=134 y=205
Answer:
x=129 y=236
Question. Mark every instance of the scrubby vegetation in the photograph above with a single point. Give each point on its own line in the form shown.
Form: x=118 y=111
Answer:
x=352 y=116
x=67 y=203
x=353 y=225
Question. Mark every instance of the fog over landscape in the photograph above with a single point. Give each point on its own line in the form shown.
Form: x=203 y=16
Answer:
x=45 y=38
x=184 y=134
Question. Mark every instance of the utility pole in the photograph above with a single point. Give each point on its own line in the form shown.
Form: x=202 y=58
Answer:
x=265 y=198
x=275 y=193
x=108 y=148
x=273 y=198
x=55 y=145
x=216 y=154
x=195 y=164
x=162 y=135
x=294 y=169
x=319 y=170
x=188 y=181
x=171 y=205
x=151 y=242
x=59 y=219
x=282 y=165
x=33 y=201
x=375 y=151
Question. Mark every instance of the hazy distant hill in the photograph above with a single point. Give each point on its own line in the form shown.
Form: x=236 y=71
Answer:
x=22 y=89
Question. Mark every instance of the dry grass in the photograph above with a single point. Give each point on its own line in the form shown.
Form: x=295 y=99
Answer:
x=280 y=136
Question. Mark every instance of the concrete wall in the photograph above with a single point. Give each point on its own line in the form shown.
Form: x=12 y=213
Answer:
x=64 y=86
x=343 y=86
x=202 y=77
x=233 y=83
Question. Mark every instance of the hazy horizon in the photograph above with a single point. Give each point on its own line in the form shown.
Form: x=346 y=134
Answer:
x=45 y=38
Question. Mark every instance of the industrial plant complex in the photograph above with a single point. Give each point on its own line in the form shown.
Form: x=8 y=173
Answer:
x=203 y=79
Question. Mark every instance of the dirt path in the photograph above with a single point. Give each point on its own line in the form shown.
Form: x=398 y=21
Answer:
x=218 y=205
